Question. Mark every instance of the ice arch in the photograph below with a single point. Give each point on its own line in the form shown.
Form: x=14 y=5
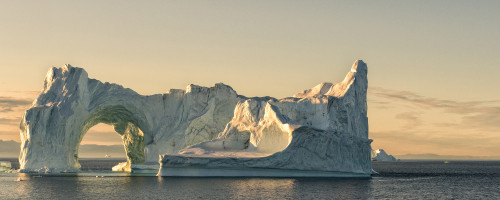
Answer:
x=70 y=103
x=126 y=125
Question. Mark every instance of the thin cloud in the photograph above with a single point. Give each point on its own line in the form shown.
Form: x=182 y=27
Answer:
x=2 y=110
x=28 y=92
x=429 y=102
x=475 y=114
x=412 y=119
x=7 y=104
x=4 y=134
x=427 y=144
x=488 y=117
x=9 y=121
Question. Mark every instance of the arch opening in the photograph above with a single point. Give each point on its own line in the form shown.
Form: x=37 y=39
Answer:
x=127 y=126
x=101 y=148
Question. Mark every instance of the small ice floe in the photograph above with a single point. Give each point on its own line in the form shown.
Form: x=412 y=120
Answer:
x=5 y=166
x=121 y=167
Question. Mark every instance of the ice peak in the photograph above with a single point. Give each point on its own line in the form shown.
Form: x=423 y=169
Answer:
x=358 y=63
x=358 y=71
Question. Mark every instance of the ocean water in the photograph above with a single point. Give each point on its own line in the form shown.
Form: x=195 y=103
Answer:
x=396 y=180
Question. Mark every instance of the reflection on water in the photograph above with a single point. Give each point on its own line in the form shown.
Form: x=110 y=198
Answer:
x=134 y=187
x=336 y=188
x=427 y=180
x=66 y=187
x=88 y=187
x=267 y=188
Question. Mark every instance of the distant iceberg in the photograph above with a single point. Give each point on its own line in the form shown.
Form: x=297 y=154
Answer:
x=203 y=131
x=381 y=155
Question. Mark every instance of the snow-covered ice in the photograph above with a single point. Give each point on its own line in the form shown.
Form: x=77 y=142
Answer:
x=320 y=130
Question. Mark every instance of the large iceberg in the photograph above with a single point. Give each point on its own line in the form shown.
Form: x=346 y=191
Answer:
x=322 y=131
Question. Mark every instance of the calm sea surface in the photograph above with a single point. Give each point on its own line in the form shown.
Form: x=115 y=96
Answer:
x=397 y=180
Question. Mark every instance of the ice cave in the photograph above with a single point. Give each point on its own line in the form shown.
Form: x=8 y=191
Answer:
x=203 y=131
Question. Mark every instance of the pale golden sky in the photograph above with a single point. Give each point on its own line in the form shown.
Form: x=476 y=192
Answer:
x=433 y=66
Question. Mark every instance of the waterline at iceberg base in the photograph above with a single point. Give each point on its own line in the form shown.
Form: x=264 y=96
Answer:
x=202 y=131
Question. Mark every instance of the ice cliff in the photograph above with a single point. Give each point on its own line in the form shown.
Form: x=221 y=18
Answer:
x=381 y=155
x=324 y=128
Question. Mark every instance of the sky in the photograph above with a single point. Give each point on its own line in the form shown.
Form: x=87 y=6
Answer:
x=433 y=65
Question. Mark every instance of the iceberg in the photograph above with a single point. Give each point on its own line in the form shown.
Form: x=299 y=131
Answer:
x=381 y=155
x=203 y=131
x=5 y=166
x=320 y=132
